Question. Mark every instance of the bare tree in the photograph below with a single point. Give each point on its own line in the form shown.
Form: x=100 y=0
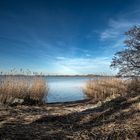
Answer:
x=128 y=60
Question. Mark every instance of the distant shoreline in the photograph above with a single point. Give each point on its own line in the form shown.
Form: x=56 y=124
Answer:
x=59 y=75
x=88 y=75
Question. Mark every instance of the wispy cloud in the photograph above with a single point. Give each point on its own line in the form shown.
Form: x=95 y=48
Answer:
x=60 y=58
x=83 y=65
x=116 y=29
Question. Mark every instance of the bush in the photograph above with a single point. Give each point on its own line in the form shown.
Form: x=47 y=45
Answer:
x=133 y=86
x=101 y=88
x=22 y=89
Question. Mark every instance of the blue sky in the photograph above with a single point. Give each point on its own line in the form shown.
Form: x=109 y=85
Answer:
x=64 y=36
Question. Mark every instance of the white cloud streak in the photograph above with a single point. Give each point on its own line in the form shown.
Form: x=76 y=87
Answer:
x=116 y=29
x=83 y=65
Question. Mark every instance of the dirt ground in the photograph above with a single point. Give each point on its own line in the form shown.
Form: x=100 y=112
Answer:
x=116 y=119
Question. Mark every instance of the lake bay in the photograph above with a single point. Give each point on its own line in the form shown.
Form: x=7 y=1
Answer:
x=64 y=89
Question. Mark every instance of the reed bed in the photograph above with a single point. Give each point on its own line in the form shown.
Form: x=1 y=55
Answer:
x=101 y=88
x=22 y=89
x=133 y=86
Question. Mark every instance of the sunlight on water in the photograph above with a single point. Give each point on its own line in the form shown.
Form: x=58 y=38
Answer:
x=63 y=89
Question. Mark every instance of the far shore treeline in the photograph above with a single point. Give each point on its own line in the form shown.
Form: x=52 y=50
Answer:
x=32 y=74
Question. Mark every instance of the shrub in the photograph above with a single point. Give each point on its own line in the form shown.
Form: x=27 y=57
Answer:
x=23 y=88
x=101 y=88
x=133 y=86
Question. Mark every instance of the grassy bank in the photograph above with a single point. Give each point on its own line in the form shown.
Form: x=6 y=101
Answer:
x=95 y=119
x=117 y=119
x=109 y=87
x=22 y=89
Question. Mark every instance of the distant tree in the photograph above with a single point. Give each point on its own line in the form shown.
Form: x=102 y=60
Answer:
x=128 y=60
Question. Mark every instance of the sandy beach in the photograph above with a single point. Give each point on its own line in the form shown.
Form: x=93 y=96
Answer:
x=118 y=118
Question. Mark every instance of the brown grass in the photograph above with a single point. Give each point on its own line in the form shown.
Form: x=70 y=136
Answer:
x=24 y=88
x=117 y=119
x=133 y=86
x=101 y=88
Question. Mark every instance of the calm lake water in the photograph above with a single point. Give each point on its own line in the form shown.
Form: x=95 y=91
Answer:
x=64 y=89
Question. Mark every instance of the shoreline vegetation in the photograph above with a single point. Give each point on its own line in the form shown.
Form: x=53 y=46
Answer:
x=59 y=75
x=22 y=90
x=104 y=87
x=111 y=112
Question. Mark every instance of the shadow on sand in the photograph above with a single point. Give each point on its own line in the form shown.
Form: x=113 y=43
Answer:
x=115 y=119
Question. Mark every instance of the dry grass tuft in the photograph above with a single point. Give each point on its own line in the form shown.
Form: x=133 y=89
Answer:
x=22 y=88
x=133 y=86
x=101 y=88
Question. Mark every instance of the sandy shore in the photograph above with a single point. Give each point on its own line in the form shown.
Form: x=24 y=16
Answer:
x=81 y=120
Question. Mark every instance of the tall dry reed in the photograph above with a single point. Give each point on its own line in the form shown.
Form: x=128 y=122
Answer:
x=22 y=87
x=133 y=86
x=101 y=88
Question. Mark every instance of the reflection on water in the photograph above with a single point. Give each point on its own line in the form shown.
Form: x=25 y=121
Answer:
x=63 y=89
